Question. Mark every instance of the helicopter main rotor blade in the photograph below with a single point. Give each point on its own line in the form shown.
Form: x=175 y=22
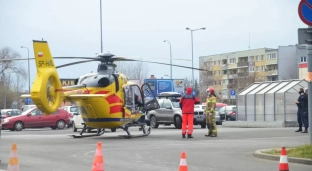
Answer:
x=74 y=63
x=175 y=65
x=181 y=59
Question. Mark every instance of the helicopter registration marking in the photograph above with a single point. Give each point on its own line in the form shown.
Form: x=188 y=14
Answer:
x=45 y=63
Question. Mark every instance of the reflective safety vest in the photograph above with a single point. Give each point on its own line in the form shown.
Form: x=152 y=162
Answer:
x=211 y=104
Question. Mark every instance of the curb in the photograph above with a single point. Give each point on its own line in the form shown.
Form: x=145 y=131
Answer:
x=259 y=154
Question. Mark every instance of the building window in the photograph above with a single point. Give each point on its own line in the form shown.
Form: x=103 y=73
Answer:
x=214 y=63
x=262 y=57
x=271 y=56
x=257 y=68
x=257 y=58
x=303 y=59
x=263 y=68
x=219 y=62
x=232 y=60
x=219 y=72
x=251 y=69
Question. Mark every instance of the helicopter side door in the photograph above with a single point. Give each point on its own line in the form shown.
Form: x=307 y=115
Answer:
x=149 y=99
x=133 y=98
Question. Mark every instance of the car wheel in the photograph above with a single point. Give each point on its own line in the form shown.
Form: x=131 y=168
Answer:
x=18 y=126
x=74 y=127
x=154 y=123
x=178 y=122
x=113 y=129
x=203 y=125
x=60 y=124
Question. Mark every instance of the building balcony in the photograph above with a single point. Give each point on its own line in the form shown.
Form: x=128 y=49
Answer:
x=231 y=85
x=224 y=86
x=224 y=77
x=251 y=63
x=271 y=72
x=271 y=62
x=232 y=66
x=242 y=74
x=242 y=64
x=224 y=67
x=232 y=76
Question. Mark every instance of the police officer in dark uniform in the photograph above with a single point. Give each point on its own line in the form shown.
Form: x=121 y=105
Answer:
x=303 y=102
x=299 y=112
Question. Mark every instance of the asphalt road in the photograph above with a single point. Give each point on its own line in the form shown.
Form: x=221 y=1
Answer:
x=53 y=150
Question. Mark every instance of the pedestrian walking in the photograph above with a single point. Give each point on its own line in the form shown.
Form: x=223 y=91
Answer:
x=211 y=113
x=187 y=103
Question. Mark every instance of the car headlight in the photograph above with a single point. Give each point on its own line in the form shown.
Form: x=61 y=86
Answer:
x=5 y=121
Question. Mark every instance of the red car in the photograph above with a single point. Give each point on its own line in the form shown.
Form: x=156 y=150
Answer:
x=34 y=118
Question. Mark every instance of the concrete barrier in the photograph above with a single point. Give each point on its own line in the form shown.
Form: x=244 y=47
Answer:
x=254 y=124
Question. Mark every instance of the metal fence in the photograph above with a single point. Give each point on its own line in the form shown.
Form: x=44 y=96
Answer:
x=269 y=101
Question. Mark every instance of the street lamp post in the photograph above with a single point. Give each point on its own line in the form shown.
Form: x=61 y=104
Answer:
x=192 y=51
x=170 y=58
x=28 y=68
x=101 y=25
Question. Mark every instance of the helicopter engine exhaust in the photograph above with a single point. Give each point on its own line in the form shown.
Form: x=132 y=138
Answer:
x=104 y=82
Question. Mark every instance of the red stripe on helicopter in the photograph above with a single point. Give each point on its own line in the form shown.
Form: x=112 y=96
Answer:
x=102 y=92
x=113 y=99
x=127 y=114
x=115 y=109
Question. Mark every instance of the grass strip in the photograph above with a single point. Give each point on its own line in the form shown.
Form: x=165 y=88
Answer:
x=303 y=151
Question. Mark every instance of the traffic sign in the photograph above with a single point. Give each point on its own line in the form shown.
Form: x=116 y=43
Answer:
x=28 y=101
x=305 y=11
x=194 y=93
x=305 y=35
x=233 y=92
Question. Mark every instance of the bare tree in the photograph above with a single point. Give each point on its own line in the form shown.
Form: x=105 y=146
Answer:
x=134 y=70
x=290 y=73
x=8 y=69
x=243 y=80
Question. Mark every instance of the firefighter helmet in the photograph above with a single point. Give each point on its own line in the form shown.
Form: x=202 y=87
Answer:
x=209 y=91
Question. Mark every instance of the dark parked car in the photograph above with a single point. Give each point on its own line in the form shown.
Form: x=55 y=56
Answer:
x=229 y=111
x=5 y=113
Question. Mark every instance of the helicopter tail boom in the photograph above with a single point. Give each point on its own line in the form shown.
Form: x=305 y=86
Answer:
x=43 y=92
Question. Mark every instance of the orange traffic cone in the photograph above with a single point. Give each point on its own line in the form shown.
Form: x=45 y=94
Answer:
x=183 y=164
x=13 y=161
x=283 y=166
x=98 y=162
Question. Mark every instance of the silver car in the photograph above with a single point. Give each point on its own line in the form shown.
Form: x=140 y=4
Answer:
x=171 y=113
x=203 y=107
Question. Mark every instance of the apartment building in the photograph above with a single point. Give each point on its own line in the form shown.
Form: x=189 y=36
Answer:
x=237 y=70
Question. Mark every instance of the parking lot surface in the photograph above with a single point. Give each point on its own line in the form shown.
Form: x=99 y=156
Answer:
x=54 y=150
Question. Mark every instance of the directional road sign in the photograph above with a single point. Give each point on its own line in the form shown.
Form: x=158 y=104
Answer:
x=232 y=93
x=28 y=100
x=305 y=11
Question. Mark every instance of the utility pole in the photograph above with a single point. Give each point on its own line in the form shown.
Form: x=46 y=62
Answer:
x=28 y=69
x=309 y=52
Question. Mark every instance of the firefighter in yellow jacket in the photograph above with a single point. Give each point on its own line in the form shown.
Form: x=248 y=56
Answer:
x=211 y=113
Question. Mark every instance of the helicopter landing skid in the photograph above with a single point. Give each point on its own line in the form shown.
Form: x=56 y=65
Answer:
x=99 y=132
x=145 y=132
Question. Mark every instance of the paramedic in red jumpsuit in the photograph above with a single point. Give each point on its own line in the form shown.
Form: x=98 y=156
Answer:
x=187 y=103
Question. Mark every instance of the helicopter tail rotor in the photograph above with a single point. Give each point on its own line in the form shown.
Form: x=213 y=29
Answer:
x=46 y=90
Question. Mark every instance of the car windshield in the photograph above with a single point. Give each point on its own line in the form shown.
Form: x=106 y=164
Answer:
x=14 y=112
x=27 y=111
x=218 y=108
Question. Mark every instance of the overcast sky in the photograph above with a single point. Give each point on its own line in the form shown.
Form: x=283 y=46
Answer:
x=137 y=28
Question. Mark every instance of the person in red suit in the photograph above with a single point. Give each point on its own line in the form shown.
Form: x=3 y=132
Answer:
x=187 y=103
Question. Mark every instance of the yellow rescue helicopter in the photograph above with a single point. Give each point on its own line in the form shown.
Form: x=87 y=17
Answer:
x=106 y=99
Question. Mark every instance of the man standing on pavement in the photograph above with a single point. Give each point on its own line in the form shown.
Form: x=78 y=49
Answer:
x=303 y=102
x=211 y=113
x=299 y=112
x=187 y=103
